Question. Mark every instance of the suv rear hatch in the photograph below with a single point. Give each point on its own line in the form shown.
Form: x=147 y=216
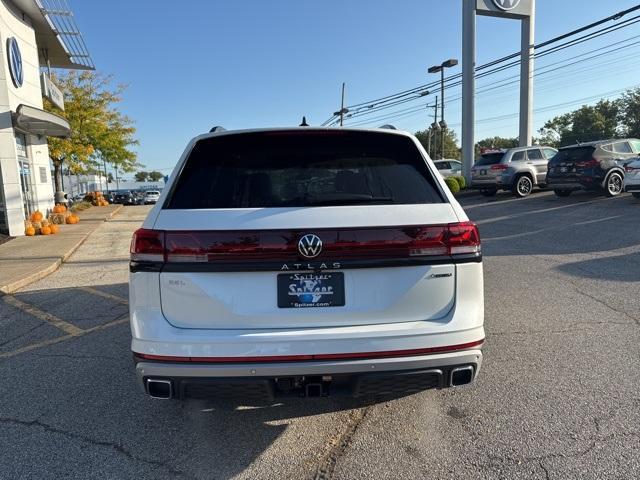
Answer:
x=305 y=228
x=570 y=163
x=488 y=167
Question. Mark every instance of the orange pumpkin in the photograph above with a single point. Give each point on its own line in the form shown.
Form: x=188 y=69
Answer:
x=36 y=216
x=45 y=230
x=59 y=209
x=29 y=231
x=54 y=228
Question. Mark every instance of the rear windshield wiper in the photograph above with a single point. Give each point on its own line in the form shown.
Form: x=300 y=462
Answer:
x=346 y=199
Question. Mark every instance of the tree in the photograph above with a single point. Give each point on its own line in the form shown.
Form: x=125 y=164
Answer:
x=585 y=124
x=98 y=130
x=109 y=177
x=495 y=142
x=451 y=148
x=629 y=113
x=155 y=176
x=141 y=176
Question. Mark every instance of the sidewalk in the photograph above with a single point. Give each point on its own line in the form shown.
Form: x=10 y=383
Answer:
x=24 y=260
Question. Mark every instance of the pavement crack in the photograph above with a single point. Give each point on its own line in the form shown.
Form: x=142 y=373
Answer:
x=98 y=443
x=339 y=444
x=545 y=469
x=577 y=289
x=23 y=334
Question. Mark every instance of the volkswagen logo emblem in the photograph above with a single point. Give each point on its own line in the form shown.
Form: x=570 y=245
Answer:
x=506 y=4
x=15 y=61
x=310 y=246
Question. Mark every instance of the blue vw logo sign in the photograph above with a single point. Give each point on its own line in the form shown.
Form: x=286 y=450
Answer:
x=15 y=61
x=310 y=246
x=506 y=4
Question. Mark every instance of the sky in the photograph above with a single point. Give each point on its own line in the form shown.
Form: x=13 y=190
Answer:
x=194 y=64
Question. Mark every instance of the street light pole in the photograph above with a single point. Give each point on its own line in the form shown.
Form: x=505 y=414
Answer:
x=442 y=111
x=452 y=62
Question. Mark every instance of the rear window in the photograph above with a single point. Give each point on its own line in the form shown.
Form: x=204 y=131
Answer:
x=300 y=169
x=490 y=159
x=574 y=154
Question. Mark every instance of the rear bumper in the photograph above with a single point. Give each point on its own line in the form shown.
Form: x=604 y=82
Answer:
x=482 y=184
x=632 y=187
x=352 y=378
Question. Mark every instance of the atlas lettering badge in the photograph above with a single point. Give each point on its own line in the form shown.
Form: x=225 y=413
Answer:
x=15 y=62
x=506 y=4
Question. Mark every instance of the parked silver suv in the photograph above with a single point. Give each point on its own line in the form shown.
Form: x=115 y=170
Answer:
x=517 y=169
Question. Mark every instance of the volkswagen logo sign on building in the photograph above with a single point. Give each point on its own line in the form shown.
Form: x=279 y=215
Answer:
x=15 y=61
x=310 y=246
x=506 y=4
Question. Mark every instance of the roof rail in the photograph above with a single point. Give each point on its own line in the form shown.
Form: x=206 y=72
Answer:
x=217 y=129
x=388 y=126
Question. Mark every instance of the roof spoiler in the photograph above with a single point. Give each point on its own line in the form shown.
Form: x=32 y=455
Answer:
x=388 y=126
x=217 y=129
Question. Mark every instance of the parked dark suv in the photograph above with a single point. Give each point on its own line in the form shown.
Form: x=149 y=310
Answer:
x=595 y=166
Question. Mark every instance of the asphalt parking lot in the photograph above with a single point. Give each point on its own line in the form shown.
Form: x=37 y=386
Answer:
x=557 y=397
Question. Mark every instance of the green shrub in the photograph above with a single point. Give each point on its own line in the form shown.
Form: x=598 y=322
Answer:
x=462 y=183
x=453 y=184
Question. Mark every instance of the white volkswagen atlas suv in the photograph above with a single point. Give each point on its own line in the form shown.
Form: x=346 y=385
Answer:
x=305 y=262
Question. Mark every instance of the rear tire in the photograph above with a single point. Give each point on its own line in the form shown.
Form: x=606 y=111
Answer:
x=562 y=193
x=523 y=186
x=489 y=193
x=613 y=184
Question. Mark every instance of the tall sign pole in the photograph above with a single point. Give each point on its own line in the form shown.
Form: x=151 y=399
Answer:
x=526 y=77
x=468 y=85
x=523 y=10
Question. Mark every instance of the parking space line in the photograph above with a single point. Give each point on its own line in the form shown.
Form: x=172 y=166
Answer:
x=60 y=324
x=95 y=291
x=533 y=212
x=53 y=341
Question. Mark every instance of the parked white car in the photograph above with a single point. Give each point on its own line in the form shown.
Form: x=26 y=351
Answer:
x=342 y=265
x=632 y=178
x=151 y=197
x=448 y=167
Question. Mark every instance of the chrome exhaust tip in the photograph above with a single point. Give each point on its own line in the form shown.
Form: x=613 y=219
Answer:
x=160 y=389
x=462 y=376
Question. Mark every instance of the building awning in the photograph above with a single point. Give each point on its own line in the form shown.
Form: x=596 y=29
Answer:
x=60 y=42
x=39 y=122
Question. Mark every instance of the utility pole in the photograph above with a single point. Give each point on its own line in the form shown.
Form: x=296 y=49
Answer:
x=340 y=113
x=342 y=106
x=434 y=130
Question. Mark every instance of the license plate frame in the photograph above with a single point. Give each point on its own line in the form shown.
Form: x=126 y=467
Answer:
x=310 y=290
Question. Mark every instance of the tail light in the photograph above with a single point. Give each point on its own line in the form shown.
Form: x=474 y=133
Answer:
x=499 y=166
x=282 y=245
x=588 y=163
x=147 y=246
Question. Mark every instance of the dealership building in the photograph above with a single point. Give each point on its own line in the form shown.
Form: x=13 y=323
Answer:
x=35 y=36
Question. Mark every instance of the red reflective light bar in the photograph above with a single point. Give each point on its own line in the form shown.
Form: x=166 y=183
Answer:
x=499 y=166
x=282 y=245
x=323 y=356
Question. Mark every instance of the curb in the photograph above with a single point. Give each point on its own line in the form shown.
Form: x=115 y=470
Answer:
x=55 y=265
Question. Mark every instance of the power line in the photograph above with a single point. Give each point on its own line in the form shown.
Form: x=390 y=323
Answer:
x=394 y=99
x=411 y=110
x=544 y=53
